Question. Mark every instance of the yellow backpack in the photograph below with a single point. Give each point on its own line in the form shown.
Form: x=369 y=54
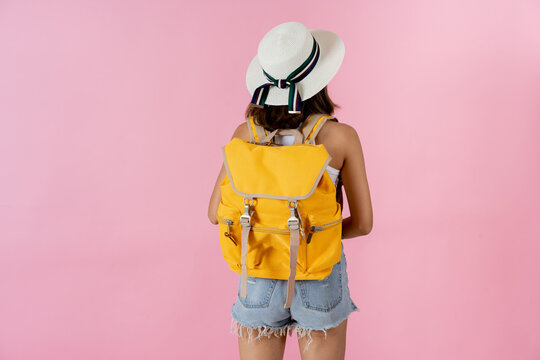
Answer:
x=278 y=216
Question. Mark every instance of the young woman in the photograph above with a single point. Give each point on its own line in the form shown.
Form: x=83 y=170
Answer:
x=288 y=81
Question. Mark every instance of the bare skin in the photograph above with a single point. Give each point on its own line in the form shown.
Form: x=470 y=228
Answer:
x=343 y=144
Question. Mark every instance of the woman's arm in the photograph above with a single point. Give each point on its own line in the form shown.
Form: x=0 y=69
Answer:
x=241 y=132
x=353 y=174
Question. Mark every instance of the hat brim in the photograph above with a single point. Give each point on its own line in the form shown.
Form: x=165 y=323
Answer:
x=332 y=52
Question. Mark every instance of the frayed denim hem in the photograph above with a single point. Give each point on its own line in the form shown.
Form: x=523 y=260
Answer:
x=237 y=329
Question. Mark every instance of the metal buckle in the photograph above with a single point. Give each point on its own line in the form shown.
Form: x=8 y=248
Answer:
x=245 y=219
x=293 y=222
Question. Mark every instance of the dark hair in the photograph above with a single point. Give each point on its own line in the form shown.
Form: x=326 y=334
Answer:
x=273 y=117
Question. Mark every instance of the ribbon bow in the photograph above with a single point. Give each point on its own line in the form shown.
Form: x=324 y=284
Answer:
x=295 y=101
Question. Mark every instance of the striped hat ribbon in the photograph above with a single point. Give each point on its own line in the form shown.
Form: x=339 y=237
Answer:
x=295 y=101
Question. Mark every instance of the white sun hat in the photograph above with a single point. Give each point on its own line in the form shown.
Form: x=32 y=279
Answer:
x=293 y=64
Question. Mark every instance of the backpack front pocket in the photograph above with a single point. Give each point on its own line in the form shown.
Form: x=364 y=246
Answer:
x=230 y=235
x=267 y=250
x=323 y=243
x=273 y=250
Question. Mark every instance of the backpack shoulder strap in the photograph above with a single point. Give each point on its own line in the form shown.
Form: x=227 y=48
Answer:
x=256 y=132
x=313 y=125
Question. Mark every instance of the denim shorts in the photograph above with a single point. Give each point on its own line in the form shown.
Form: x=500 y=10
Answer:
x=317 y=305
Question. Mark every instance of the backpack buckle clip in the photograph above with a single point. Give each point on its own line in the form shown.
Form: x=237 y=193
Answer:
x=245 y=219
x=293 y=222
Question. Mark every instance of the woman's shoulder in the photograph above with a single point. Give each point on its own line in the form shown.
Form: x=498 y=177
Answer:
x=331 y=130
x=336 y=131
x=337 y=138
x=242 y=131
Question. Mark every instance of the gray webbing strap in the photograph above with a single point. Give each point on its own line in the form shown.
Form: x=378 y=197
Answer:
x=295 y=240
x=245 y=221
x=245 y=235
x=309 y=124
x=256 y=132
x=314 y=126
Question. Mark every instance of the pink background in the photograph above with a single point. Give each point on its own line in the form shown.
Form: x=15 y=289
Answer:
x=112 y=115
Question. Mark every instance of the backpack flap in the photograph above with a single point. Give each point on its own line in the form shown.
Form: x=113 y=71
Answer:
x=277 y=172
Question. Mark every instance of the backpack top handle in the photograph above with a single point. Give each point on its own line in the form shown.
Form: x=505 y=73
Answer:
x=309 y=129
x=298 y=135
